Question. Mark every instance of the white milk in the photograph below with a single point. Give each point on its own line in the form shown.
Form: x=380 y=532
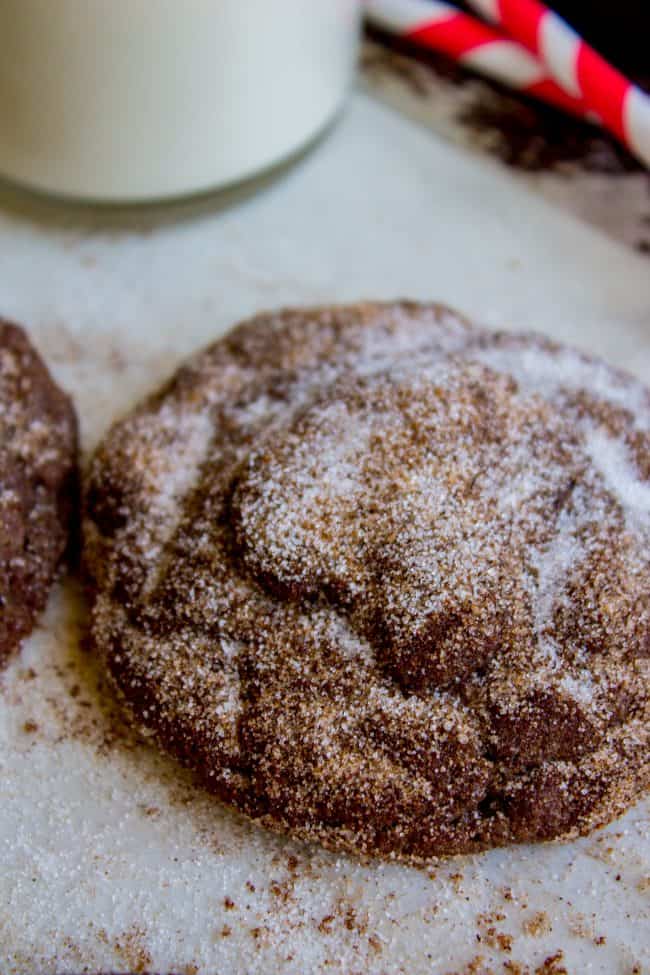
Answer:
x=142 y=99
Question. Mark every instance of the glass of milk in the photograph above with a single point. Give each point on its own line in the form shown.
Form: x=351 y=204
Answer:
x=135 y=100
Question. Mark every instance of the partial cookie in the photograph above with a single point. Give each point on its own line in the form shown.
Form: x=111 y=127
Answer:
x=38 y=463
x=382 y=578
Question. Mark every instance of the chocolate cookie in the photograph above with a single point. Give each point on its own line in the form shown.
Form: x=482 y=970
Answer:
x=38 y=463
x=382 y=578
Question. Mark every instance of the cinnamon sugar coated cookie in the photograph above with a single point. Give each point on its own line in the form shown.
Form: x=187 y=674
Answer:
x=38 y=460
x=382 y=578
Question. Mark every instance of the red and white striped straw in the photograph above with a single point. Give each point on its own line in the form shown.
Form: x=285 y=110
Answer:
x=617 y=103
x=474 y=44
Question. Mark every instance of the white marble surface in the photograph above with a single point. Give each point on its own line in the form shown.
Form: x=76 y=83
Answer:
x=110 y=860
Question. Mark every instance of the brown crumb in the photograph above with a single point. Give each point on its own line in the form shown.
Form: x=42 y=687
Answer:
x=130 y=947
x=229 y=904
x=474 y=967
x=488 y=934
x=537 y=925
x=552 y=965
x=283 y=891
x=325 y=925
x=350 y=919
x=504 y=942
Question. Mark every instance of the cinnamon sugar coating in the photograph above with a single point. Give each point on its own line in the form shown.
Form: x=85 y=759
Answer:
x=38 y=463
x=382 y=578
